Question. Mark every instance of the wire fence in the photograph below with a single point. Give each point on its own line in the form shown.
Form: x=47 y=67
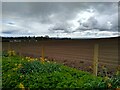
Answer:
x=81 y=54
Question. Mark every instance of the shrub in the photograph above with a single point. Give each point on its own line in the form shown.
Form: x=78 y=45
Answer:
x=19 y=72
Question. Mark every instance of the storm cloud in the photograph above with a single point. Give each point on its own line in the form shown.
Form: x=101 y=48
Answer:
x=68 y=19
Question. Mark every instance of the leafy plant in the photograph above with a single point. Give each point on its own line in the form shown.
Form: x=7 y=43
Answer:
x=19 y=72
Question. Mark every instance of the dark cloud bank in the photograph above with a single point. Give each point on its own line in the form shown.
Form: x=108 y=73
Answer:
x=52 y=18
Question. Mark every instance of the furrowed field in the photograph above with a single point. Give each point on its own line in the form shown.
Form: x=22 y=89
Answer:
x=74 y=53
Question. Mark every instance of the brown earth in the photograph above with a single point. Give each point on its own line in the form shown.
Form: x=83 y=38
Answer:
x=74 y=53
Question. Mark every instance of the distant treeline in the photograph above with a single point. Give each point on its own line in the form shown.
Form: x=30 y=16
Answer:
x=19 y=39
x=35 y=39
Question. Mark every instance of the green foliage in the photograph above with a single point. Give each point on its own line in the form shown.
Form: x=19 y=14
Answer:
x=11 y=53
x=8 y=53
x=38 y=67
x=5 y=54
x=18 y=72
x=113 y=82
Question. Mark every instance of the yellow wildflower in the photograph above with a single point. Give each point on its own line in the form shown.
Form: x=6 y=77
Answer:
x=27 y=57
x=19 y=65
x=28 y=60
x=8 y=75
x=11 y=53
x=36 y=58
x=90 y=67
x=21 y=76
x=48 y=61
x=14 y=69
x=31 y=59
x=103 y=66
x=106 y=78
x=40 y=58
x=109 y=85
x=21 y=85
x=15 y=64
x=45 y=59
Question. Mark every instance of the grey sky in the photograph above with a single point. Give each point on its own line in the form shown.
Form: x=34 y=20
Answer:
x=60 y=0
x=66 y=19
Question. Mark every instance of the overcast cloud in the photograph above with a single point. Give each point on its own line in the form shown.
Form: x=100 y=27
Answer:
x=63 y=19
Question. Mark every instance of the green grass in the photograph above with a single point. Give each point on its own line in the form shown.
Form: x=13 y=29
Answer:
x=18 y=72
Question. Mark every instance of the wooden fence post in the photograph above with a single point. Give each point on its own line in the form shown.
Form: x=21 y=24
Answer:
x=9 y=49
x=43 y=54
x=95 y=62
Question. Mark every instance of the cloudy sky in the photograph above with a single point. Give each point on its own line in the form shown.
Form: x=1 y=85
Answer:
x=60 y=19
